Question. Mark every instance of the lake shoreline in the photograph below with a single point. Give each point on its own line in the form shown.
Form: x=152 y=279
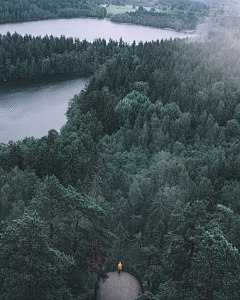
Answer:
x=31 y=110
x=164 y=28
x=106 y=19
x=33 y=106
x=6 y=84
x=36 y=20
x=91 y=29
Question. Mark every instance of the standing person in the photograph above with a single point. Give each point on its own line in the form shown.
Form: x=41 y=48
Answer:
x=119 y=267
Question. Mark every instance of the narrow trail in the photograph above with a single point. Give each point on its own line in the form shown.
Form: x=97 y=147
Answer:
x=123 y=286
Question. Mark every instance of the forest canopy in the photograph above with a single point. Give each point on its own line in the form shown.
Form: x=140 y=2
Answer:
x=159 y=20
x=145 y=171
x=26 y=10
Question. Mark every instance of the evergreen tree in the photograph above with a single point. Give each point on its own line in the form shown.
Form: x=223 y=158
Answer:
x=30 y=269
x=54 y=203
x=196 y=252
x=74 y=224
x=146 y=296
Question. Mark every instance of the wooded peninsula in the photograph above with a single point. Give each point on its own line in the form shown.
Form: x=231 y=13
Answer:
x=145 y=171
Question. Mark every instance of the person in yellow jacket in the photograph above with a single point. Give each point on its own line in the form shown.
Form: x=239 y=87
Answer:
x=119 y=267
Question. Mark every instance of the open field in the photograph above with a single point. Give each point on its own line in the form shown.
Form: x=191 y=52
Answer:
x=115 y=9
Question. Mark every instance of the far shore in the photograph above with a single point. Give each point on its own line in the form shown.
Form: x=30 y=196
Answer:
x=107 y=19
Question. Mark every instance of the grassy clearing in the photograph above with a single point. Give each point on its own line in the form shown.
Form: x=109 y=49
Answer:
x=115 y=9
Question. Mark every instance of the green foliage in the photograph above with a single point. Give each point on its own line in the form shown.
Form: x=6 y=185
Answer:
x=131 y=107
x=16 y=191
x=18 y=10
x=186 y=5
x=86 y=296
x=155 y=19
x=30 y=269
x=69 y=216
x=53 y=202
x=146 y=296
x=30 y=57
x=145 y=170
x=196 y=252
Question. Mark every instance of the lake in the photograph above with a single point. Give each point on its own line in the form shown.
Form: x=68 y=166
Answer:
x=34 y=107
x=91 y=29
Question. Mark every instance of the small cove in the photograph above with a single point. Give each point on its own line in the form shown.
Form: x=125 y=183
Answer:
x=33 y=107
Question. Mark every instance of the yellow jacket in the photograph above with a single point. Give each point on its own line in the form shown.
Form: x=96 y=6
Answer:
x=119 y=266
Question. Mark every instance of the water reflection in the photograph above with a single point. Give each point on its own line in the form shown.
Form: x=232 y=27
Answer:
x=33 y=111
x=91 y=29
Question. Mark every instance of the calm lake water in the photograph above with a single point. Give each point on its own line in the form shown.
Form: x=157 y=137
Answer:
x=32 y=110
x=91 y=29
x=35 y=107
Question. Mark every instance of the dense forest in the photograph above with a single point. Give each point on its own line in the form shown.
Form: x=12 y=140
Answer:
x=184 y=5
x=29 y=57
x=190 y=6
x=179 y=21
x=177 y=15
x=26 y=10
x=146 y=171
x=179 y=5
x=187 y=13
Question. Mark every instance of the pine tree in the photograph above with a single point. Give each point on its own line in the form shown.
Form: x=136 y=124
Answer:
x=199 y=262
x=52 y=202
x=73 y=223
x=146 y=296
x=29 y=268
x=71 y=170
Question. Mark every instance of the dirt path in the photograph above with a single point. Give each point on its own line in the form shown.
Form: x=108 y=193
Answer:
x=123 y=286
